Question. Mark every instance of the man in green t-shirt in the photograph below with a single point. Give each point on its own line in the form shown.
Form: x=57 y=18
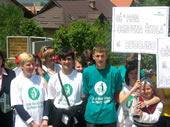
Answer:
x=101 y=82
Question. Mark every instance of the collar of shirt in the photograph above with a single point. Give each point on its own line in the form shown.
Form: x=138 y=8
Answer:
x=4 y=72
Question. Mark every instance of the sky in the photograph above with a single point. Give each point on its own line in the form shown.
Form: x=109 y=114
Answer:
x=30 y=1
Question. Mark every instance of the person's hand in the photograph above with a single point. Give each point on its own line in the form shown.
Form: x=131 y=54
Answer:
x=33 y=124
x=141 y=105
x=40 y=71
x=139 y=112
x=137 y=93
x=136 y=85
x=44 y=123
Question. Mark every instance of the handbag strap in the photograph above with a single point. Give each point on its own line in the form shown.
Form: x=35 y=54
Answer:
x=63 y=90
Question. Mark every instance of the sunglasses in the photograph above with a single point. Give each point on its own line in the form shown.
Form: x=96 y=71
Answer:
x=46 y=48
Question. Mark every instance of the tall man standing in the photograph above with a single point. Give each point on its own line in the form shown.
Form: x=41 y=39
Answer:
x=101 y=82
x=72 y=85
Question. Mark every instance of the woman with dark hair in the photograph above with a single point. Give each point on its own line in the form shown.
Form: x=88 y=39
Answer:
x=87 y=59
x=6 y=75
x=126 y=96
x=38 y=70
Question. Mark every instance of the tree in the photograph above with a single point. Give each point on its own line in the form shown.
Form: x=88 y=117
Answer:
x=153 y=3
x=81 y=35
x=10 y=18
x=28 y=27
x=13 y=23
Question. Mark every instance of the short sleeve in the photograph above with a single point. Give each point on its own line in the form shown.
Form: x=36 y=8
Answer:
x=85 y=82
x=118 y=82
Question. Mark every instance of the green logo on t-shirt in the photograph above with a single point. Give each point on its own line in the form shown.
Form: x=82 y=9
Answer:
x=68 y=89
x=33 y=93
x=129 y=101
x=100 y=88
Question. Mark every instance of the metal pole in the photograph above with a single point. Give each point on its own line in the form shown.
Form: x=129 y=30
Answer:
x=139 y=60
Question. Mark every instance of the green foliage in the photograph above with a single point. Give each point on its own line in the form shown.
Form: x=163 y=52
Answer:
x=81 y=35
x=61 y=38
x=148 y=61
x=13 y=23
x=10 y=18
x=153 y=3
x=28 y=27
x=10 y=64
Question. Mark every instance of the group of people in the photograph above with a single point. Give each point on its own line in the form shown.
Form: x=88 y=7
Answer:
x=81 y=91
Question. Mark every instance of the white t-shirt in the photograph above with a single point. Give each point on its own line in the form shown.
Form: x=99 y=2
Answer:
x=124 y=117
x=17 y=70
x=31 y=93
x=73 y=86
x=57 y=68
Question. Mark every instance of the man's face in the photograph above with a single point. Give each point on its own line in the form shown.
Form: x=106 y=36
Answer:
x=67 y=63
x=100 y=59
x=28 y=68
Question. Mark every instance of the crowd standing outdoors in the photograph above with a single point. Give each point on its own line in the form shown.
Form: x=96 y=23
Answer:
x=79 y=91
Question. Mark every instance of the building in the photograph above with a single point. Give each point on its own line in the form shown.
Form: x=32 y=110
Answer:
x=34 y=7
x=57 y=12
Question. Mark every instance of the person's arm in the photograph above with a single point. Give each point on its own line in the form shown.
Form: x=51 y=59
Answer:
x=160 y=93
x=152 y=101
x=25 y=115
x=123 y=97
x=45 y=111
x=150 y=118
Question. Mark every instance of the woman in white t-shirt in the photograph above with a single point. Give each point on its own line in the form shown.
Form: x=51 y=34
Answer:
x=29 y=96
x=48 y=57
x=126 y=97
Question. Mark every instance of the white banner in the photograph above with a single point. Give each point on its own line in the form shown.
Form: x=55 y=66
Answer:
x=163 y=63
x=136 y=29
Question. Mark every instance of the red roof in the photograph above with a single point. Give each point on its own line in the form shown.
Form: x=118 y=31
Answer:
x=122 y=3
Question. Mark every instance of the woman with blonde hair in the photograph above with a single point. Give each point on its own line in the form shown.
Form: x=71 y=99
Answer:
x=29 y=96
x=48 y=60
x=47 y=55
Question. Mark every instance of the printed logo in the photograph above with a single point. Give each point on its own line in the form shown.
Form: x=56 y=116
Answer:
x=100 y=88
x=129 y=101
x=68 y=89
x=33 y=93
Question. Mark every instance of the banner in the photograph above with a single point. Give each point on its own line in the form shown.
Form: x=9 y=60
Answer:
x=136 y=29
x=163 y=63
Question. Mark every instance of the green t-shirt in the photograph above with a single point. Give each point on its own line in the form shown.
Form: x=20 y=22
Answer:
x=101 y=85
